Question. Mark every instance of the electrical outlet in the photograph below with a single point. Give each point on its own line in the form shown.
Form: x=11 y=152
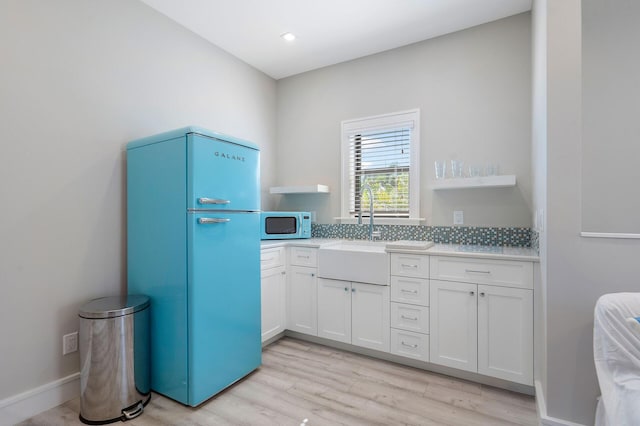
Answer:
x=458 y=217
x=69 y=343
x=540 y=220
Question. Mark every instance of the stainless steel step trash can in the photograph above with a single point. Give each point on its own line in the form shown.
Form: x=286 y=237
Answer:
x=114 y=359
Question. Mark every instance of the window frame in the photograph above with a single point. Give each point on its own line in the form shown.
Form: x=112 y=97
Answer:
x=409 y=118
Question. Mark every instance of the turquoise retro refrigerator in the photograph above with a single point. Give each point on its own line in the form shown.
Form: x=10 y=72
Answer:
x=193 y=247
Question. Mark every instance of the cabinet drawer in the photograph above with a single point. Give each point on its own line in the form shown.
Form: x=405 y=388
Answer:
x=271 y=258
x=410 y=344
x=508 y=273
x=410 y=317
x=410 y=265
x=304 y=256
x=410 y=290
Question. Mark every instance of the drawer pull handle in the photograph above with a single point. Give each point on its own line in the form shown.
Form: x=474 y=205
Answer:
x=402 y=290
x=408 y=318
x=208 y=220
x=408 y=345
x=404 y=265
x=204 y=200
x=303 y=257
x=474 y=271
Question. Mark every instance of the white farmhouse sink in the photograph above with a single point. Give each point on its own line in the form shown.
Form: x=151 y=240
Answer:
x=361 y=261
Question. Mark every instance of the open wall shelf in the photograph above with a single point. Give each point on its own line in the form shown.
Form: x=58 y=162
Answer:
x=474 y=182
x=306 y=189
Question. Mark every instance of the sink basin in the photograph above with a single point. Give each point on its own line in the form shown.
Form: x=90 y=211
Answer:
x=360 y=261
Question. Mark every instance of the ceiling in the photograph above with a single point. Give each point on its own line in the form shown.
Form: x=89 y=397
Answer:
x=327 y=31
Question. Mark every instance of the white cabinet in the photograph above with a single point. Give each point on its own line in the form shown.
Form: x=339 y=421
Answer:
x=505 y=333
x=273 y=292
x=304 y=256
x=506 y=273
x=410 y=305
x=302 y=302
x=410 y=265
x=355 y=313
x=370 y=316
x=482 y=325
x=410 y=344
x=454 y=334
x=410 y=317
x=334 y=309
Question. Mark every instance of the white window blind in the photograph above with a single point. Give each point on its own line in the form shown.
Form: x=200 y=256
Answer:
x=383 y=153
x=380 y=158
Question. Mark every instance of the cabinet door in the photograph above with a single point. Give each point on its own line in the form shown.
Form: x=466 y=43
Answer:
x=370 y=316
x=453 y=325
x=273 y=296
x=334 y=310
x=505 y=333
x=302 y=300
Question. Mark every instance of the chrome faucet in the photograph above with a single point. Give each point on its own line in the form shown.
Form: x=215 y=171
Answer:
x=367 y=188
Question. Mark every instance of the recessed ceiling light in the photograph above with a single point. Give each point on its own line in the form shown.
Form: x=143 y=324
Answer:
x=288 y=36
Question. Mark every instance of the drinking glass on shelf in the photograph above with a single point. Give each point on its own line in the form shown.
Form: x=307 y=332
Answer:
x=441 y=168
x=492 y=169
x=475 y=170
x=456 y=168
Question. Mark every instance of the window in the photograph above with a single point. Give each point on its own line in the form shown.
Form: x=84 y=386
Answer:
x=382 y=153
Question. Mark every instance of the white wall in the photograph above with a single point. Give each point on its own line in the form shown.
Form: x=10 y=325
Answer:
x=578 y=270
x=611 y=89
x=78 y=80
x=473 y=88
x=539 y=177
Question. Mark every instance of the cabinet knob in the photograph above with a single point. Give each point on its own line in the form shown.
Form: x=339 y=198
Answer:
x=313 y=275
x=472 y=293
x=346 y=289
x=284 y=272
x=482 y=294
x=353 y=290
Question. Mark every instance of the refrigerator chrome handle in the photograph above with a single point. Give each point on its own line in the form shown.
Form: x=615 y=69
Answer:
x=204 y=200
x=207 y=220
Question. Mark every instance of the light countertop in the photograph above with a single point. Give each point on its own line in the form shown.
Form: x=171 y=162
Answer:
x=459 y=250
x=304 y=242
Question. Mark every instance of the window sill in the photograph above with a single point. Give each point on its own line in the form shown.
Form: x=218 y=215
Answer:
x=383 y=220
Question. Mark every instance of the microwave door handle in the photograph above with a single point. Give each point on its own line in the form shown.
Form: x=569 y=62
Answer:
x=205 y=200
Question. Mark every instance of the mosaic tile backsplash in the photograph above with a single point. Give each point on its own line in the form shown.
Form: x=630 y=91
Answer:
x=512 y=237
x=535 y=240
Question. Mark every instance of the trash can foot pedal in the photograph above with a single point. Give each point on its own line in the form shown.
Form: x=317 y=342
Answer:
x=132 y=412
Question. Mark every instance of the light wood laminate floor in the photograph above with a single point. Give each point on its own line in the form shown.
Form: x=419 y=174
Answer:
x=300 y=380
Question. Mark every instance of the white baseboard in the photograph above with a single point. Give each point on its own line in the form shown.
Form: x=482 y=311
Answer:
x=541 y=405
x=27 y=404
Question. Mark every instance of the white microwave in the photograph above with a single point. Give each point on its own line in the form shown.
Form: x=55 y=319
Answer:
x=285 y=225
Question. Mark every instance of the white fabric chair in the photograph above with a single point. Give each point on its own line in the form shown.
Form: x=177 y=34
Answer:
x=616 y=352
